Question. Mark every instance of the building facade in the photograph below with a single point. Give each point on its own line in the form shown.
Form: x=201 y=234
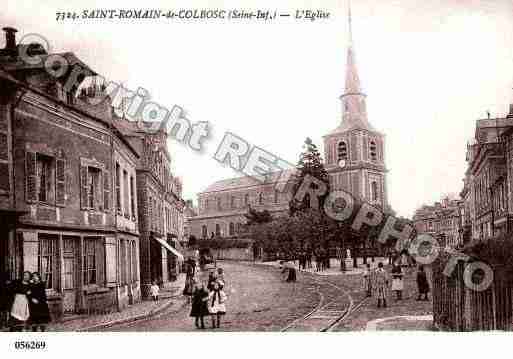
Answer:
x=443 y=220
x=487 y=183
x=59 y=187
x=354 y=152
x=222 y=205
x=354 y=156
x=160 y=207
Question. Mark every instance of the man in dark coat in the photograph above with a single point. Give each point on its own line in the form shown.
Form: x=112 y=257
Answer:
x=422 y=283
x=5 y=299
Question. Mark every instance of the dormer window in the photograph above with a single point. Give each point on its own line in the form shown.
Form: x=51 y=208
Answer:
x=373 y=151
x=342 y=151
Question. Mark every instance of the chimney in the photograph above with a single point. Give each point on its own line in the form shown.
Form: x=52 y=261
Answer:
x=10 y=38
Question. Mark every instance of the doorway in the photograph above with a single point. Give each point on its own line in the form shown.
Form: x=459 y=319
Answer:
x=70 y=273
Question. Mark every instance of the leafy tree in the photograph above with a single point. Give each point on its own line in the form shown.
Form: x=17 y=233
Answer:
x=257 y=217
x=310 y=164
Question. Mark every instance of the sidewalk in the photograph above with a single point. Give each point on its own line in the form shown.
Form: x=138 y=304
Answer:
x=402 y=322
x=335 y=266
x=405 y=314
x=170 y=298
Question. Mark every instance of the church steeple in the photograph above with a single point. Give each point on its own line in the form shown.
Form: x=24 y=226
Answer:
x=354 y=108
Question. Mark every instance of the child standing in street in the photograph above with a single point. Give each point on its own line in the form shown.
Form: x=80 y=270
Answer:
x=367 y=282
x=217 y=299
x=154 y=291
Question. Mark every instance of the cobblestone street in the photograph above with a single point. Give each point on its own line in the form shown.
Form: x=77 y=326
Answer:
x=259 y=300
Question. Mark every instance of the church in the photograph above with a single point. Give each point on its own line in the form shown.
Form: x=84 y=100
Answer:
x=354 y=156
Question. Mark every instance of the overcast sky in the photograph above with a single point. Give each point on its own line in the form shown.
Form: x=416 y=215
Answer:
x=429 y=68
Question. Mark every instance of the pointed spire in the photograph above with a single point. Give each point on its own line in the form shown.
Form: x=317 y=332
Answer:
x=354 y=108
x=349 y=20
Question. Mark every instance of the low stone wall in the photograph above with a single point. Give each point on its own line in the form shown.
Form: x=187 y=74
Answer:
x=238 y=254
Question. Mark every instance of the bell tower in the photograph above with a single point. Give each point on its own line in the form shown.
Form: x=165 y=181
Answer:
x=354 y=152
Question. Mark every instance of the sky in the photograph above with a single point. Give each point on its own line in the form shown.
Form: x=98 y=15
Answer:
x=430 y=69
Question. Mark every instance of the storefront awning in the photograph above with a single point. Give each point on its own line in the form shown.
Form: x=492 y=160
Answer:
x=169 y=248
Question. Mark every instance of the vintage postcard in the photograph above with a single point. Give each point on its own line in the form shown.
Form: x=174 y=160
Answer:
x=254 y=166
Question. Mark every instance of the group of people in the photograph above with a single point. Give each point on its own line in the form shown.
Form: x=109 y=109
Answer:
x=24 y=305
x=377 y=282
x=207 y=298
x=320 y=256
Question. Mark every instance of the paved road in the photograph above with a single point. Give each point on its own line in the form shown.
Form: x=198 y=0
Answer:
x=258 y=300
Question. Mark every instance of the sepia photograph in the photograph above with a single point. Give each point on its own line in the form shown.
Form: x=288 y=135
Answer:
x=341 y=166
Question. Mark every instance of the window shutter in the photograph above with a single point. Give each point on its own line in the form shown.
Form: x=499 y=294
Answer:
x=60 y=182
x=100 y=262
x=99 y=189
x=30 y=177
x=106 y=190
x=111 y=261
x=83 y=187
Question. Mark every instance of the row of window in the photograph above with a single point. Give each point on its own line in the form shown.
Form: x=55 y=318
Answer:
x=233 y=229
x=343 y=154
x=82 y=266
x=46 y=183
x=216 y=203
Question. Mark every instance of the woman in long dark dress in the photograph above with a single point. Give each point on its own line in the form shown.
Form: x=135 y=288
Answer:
x=38 y=304
x=199 y=308
x=20 y=311
x=422 y=283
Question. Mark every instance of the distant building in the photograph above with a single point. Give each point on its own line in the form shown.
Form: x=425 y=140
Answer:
x=160 y=207
x=354 y=155
x=222 y=205
x=354 y=152
x=441 y=220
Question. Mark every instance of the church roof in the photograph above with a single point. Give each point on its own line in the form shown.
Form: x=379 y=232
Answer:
x=246 y=181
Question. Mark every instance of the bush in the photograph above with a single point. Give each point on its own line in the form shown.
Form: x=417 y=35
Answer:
x=224 y=243
x=496 y=251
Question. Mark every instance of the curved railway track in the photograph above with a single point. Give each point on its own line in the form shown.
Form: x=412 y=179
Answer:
x=335 y=305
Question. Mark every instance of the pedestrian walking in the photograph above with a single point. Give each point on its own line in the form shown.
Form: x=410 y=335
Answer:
x=38 y=304
x=5 y=299
x=397 y=280
x=290 y=272
x=154 y=291
x=302 y=261
x=318 y=260
x=309 y=259
x=217 y=307
x=422 y=283
x=199 y=308
x=20 y=312
x=188 y=288
x=367 y=280
x=380 y=286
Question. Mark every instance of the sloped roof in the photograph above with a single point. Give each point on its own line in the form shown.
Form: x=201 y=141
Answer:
x=246 y=181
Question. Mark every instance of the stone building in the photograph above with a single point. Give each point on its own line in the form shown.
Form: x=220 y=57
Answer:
x=487 y=183
x=68 y=193
x=354 y=152
x=354 y=155
x=160 y=204
x=223 y=204
x=442 y=218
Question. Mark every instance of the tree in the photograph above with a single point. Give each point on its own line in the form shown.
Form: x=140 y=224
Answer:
x=310 y=164
x=257 y=217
